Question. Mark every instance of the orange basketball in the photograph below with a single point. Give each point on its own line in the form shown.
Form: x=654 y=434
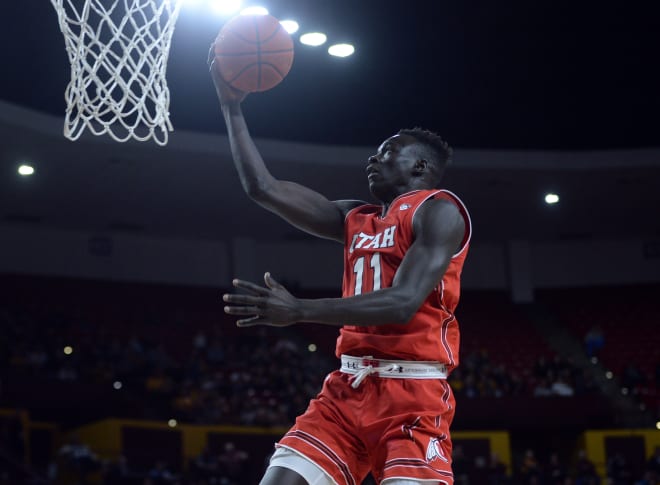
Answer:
x=253 y=52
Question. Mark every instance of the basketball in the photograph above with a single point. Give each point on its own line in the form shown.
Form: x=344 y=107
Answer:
x=253 y=52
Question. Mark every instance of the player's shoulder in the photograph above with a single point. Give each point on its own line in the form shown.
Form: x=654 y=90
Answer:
x=434 y=208
x=444 y=210
x=347 y=206
x=440 y=200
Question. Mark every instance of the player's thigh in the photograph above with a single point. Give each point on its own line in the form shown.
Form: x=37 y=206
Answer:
x=276 y=475
x=290 y=468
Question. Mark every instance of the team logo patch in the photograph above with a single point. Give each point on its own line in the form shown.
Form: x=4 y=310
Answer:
x=404 y=207
x=434 y=451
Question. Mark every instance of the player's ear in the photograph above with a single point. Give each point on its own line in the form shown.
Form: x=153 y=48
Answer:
x=421 y=166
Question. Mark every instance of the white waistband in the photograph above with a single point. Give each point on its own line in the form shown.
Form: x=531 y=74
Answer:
x=361 y=367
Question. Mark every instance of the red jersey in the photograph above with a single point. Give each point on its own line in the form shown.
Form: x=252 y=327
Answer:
x=374 y=246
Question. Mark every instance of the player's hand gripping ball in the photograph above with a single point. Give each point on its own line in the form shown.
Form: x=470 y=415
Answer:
x=253 y=52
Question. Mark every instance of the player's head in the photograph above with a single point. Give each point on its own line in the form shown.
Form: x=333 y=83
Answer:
x=413 y=159
x=432 y=147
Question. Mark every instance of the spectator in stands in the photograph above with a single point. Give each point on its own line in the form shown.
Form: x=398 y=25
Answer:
x=594 y=341
x=117 y=472
x=529 y=471
x=204 y=468
x=496 y=473
x=460 y=466
x=632 y=377
x=554 y=471
x=232 y=463
x=653 y=465
x=76 y=459
x=647 y=479
x=67 y=372
x=561 y=388
x=542 y=388
x=199 y=341
x=541 y=368
x=618 y=470
x=585 y=470
x=160 y=475
x=583 y=381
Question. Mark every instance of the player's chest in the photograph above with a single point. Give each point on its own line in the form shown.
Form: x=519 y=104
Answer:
x=374 y=234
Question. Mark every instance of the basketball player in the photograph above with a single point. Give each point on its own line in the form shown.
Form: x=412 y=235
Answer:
x=388 y=409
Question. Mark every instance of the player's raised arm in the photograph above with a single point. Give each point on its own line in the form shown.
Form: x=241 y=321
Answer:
x=304 y=208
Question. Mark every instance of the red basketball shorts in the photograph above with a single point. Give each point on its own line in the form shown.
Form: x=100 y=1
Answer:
x=393 y=428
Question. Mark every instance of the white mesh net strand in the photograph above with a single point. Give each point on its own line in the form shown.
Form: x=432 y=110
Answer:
x=118 y=51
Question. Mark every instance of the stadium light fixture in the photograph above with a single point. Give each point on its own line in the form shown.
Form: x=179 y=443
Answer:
x=225 y=7
x=551 y=198
x=25 y=170
x=291 y=26
x=341 y=50
x=313 y=39
x=254 y=10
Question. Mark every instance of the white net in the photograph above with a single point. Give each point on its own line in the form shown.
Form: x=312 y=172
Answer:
x=118 y=51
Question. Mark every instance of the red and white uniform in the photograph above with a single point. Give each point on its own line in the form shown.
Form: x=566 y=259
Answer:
x=374 y=248
x=387 y=426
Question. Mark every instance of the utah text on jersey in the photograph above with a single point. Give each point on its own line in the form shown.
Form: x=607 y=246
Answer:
x=383 y=239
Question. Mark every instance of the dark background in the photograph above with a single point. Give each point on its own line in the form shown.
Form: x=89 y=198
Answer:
x=544 y=74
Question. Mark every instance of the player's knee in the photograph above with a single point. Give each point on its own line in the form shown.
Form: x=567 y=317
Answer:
x=290 y=468
x=276 y=475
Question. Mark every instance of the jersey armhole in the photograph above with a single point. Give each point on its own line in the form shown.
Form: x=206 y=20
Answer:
x=450 y=196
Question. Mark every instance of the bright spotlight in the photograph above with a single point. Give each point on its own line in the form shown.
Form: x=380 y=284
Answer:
x=254 y=11
x=117 y=385
x=551 y=198
x=68 y=350
x=313 y=38
x=311 y=347
x=291 y=26
x=225 y=7
x=341 y=50
x=172 y=423
x=26 y=170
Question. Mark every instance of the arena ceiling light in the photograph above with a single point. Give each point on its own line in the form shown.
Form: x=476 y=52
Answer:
x=313 y=38
x=225 y=7
x=25 y=170
x=291 y=26
x=254 y=10
x=551 y=198
x=341 y=50
x=192 y=3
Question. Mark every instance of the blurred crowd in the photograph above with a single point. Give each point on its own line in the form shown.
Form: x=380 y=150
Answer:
x=232 y=466
x=77 y=463
x=213 y=374
x=261 y=377
x=479 y=376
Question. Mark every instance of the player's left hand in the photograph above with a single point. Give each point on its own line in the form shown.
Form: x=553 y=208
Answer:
x=270 y=305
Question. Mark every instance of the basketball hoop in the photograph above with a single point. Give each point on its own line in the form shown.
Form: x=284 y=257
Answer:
x=118 y=50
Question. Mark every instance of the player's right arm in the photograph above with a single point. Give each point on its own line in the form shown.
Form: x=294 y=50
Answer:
x=304 y=208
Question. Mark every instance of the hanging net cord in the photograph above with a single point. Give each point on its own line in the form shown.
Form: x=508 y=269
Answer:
x=118 y=55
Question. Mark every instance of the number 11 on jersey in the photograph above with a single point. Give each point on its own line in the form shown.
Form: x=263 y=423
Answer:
x=358 y=269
